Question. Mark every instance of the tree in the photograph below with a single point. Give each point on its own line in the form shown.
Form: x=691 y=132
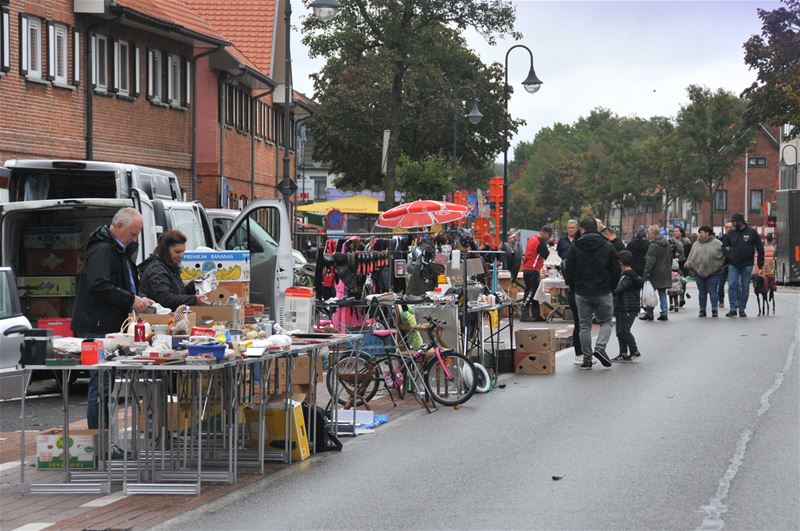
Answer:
x=428 y=178
x=775 y=55
x=713 y=134
x=380 y=55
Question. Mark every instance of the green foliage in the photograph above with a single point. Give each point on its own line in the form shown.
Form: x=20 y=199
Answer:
x=775 y=55
x=396 y=65
x=428 y=178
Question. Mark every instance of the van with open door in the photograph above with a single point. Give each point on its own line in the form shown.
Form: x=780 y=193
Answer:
x=11 y=319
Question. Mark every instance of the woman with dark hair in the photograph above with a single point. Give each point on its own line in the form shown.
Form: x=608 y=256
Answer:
x=161 y=273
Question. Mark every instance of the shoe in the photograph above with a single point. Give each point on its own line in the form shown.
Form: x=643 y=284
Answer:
x=587 y=364
x=578 y=359
x=714 y=314
x=683 y=302
x=117 y=453
x=635 y=357
x=603 y=357
x=663 y=317
x=672 y=308
x=742 y=314
x=646 y=317
x=622 y=358
x=702 y=313
x=731 y=313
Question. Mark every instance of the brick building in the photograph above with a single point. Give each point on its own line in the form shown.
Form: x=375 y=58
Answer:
x=81 y=79
x=750 y=187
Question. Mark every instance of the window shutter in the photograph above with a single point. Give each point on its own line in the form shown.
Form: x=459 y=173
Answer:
x=187 y=100
x=136 y=70
x=149 y=74
x=51 y=52
x=115 y=76
x=23 y=45
x=76 y=57
x=93 y=80
x=5 y=41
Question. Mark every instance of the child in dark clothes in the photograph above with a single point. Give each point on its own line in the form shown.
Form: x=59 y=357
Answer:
x=626 y=307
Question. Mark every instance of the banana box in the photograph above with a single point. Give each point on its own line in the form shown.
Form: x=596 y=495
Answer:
x=228 y=266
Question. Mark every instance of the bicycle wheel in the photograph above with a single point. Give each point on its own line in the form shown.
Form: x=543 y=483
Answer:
x=369 y=378
x=454 y=390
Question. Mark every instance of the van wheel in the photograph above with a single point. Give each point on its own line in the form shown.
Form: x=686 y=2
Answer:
x=73 y=377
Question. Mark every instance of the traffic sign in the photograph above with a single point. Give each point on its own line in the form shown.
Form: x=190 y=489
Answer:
x=334 y=219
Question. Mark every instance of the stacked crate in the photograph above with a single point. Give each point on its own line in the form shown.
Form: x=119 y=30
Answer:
x=536 y=351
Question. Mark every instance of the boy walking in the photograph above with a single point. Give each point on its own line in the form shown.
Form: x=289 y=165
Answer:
x=626 y=307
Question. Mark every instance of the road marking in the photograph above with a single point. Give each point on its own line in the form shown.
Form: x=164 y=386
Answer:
x=716 y=506
x=8 y=466
x=105 y=500
x=35 y=526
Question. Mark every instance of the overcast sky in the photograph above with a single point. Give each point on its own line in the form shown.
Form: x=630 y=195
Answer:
x=635 y=58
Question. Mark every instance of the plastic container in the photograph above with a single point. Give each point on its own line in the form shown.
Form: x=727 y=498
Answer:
x=218 y=351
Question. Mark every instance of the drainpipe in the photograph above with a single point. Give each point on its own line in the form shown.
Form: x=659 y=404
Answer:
x=89 y=81
x=222 y=117
x=253 y=143
x=194 y=117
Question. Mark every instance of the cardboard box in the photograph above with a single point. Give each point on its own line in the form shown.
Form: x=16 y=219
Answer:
x=44 y=307
x=177 y=417
x=46 y=286
x=227 y=289
x=535 y=362
x=163 y=319
x=535 y=339
x=53 y=262
x=229 y=266
x=50 y=449
x=67 y=238
x=217 y=314
x=298 y=311
x=275 y=428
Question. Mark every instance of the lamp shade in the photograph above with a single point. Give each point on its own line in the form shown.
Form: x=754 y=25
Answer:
x=475 y=115
x=325 y=9
x=532 y=83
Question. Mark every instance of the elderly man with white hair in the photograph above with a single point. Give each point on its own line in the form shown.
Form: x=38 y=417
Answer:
x=658 y=270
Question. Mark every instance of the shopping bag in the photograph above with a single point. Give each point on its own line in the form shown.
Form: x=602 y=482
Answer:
x=649 y=295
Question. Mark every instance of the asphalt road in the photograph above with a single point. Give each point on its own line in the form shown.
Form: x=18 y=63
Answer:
x=43 y=406
x=704 y=433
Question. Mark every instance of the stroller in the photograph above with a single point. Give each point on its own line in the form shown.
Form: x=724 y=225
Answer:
x=677 y=290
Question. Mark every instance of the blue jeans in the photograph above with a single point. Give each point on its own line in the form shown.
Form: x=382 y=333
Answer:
x=663 y=300
x=739 y=286
x=708 y=287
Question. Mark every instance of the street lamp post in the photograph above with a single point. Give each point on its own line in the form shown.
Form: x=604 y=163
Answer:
x=784 y=165
x=531 y=85
x=324 y=10
x=474 y=116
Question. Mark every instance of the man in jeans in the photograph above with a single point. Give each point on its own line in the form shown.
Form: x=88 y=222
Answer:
x=739 y=246
x=593 y=272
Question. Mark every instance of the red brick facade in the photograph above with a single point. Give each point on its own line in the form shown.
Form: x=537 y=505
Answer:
x=44 y=119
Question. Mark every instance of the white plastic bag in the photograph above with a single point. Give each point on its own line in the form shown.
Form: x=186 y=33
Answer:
x=649 y=295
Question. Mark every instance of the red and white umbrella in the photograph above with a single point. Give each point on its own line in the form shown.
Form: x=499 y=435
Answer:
x=421 y=214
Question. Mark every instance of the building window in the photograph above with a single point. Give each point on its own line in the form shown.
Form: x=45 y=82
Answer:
x=60 y=53
x=5 y=40
x=757 y=162
x=32 y=47
x=122 y=55
x=320 y=189
x=174 y=80
x=721 y=201
x=756 y=200
x=154 y=80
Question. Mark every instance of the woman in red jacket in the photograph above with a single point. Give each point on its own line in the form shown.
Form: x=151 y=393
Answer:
x=536 y=252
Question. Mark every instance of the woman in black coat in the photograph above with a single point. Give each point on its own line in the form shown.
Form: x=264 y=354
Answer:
x=638 y=248
x=161 y=273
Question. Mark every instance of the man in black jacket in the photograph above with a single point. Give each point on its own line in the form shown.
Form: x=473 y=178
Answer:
x=566 y=241
x=593 y=271
x=108 y=286
x=611 y=236
x=739 y=246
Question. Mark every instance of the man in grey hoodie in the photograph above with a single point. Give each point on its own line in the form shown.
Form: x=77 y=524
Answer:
x=706 y=261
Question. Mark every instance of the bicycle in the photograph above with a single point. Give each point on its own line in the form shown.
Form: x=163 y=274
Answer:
x=448 y=378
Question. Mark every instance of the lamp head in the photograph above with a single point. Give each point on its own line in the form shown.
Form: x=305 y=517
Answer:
x=532 y=83
x=325 y=10
x=475 y=115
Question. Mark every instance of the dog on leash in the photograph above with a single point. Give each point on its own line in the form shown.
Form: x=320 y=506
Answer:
x=764 y=287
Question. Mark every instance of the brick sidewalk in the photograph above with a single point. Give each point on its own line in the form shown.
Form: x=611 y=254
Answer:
x=90 y=512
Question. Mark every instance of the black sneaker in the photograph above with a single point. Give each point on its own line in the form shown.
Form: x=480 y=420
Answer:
x=701 y=314
x=714 y=314
x=635 y=357
x=663 y=317
x=117 y=453
x=731 y=313
x=603 y=357
x=622 y=358
x=742 y=314
x=587 y=364
x=646 y=317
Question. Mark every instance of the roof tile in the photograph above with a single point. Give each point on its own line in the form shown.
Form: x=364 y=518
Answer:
x=175 y=12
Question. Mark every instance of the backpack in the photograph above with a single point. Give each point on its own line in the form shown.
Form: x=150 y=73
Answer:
x=326 y=441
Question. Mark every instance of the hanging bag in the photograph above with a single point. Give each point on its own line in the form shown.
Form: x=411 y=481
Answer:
x=649 y=295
